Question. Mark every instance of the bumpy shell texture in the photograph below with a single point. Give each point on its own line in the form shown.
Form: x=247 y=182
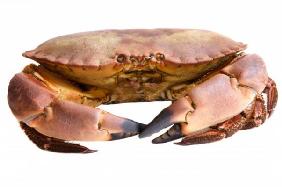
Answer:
x=180 y=46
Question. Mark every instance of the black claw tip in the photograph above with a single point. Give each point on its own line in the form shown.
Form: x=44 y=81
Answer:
x=160 y=122
x=172 y=134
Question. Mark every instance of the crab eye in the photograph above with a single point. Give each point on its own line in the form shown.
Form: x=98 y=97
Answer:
x=160 y=57
x=121 y=58
x=149 y=57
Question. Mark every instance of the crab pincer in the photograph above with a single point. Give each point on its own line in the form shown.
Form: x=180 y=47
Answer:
x=219 y=106
x=49 y=121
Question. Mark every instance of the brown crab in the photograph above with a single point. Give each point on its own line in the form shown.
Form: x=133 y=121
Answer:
x=214 y=87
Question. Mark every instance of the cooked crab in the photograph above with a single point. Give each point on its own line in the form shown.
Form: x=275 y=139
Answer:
x=215 y=88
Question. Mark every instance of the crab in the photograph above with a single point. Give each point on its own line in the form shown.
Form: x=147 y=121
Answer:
x=215 y=88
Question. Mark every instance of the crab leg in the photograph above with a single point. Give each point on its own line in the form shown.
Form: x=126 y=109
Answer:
x=256 y=115
x=272 y=95
x=215 y=133
x=52 y=144
x=36 y=105
x=217 y=99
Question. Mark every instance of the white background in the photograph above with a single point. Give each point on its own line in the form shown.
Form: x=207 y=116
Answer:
x=249 y=158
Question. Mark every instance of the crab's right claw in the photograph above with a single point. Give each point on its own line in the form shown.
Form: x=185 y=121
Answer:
x=37 y=106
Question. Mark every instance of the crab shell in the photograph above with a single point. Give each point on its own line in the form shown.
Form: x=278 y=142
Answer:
x=86 y=57
x=115 y=66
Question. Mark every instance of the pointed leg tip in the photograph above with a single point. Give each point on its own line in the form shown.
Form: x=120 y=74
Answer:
x=270 y=112
x=90 y=151
x=177 y=143
x=182 y=143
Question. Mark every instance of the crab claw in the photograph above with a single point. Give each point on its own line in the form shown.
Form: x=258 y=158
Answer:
x=40 y=108
x=214 y=100
x=71 y=121
x=175 y=113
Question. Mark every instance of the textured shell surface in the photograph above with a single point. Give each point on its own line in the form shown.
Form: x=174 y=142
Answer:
x=98 y=48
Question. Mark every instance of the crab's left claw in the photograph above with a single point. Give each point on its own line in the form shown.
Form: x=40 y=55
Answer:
x=175 y=113
x=217 y=100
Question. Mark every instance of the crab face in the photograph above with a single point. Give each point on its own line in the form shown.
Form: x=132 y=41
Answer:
x=210 y=81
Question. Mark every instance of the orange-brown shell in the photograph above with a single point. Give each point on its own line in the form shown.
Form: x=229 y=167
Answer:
x=180 y=46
